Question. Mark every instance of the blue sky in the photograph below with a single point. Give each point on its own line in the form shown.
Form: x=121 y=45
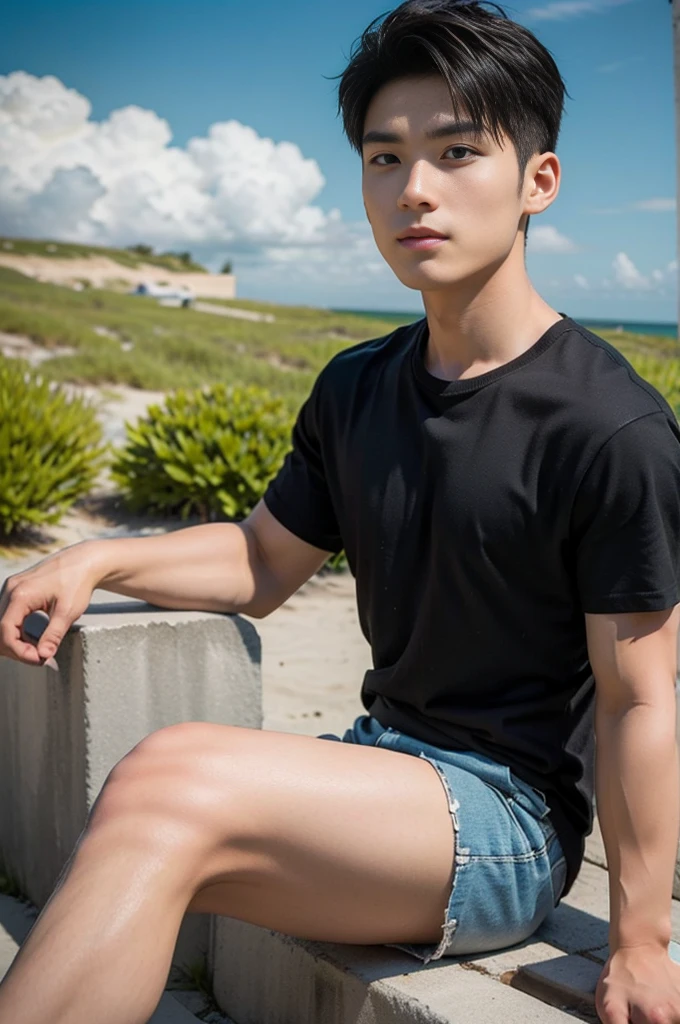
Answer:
x=607 y=245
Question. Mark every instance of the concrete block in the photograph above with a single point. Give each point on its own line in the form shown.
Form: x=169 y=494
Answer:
x=261 y=976
x=568 y=981
x=453 y=995
x=602 y=954
x=16 y=921
x=170 y=1011
x=125 y=670
x=199 y=1005
x=191 y=1000
x=581 y=922
x=505 y=962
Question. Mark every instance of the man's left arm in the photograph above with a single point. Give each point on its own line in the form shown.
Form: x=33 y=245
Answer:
x=637 y=787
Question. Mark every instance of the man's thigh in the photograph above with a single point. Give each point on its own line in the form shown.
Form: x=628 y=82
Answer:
x=326 y=841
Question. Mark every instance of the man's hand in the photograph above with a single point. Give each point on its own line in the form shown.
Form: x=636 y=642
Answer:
x=639 y=985
x=60 y=586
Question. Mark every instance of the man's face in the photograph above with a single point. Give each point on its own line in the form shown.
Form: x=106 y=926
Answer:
x=462 y=184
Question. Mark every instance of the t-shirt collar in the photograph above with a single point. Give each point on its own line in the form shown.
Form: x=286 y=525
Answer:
x=468 y=384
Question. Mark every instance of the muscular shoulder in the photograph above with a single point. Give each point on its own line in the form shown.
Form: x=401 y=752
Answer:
x=605 y=389
x=357 y=364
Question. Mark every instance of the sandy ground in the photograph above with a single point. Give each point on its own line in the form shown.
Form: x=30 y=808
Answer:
x=313 y=652
x=103 y=272
x=313 y=659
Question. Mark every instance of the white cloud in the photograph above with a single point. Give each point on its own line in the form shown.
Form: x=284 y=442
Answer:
x=120 y=181
x=627 y=274
x=229 y=194
x=616 y=65
x=561 y=10
x=607 y=209
x=546 y=238
x=657 y=205
x=630 y=278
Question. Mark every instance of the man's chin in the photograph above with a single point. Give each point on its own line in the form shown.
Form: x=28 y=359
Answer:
x=431 y=278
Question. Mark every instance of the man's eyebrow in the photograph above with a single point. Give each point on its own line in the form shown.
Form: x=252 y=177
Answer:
x=440 y=132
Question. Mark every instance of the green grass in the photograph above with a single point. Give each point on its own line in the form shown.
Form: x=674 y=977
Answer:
x=71 y=250
x=182 y=347
x=176 y=347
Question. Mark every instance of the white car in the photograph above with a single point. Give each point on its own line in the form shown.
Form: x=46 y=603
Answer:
x=167 y=294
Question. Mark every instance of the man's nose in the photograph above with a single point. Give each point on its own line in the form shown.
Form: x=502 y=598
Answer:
x=419 y=187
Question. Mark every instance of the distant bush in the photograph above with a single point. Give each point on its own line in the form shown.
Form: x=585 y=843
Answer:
x=50 y=449
x=226 y=268
x=141 y=250
x=662 y=374
x=209 y=451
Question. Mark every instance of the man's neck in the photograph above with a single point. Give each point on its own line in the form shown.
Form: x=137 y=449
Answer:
x=477 y=327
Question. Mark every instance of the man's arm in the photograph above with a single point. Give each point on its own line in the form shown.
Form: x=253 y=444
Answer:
x=634 y=661
x=250 y=567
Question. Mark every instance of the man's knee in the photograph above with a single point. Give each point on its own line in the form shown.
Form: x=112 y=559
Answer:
x=166 y=776
x=176 y=739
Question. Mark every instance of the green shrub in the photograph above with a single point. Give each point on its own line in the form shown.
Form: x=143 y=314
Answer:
x=209 y=451
x=50 y=448
x=337 y=562
x=662 y=374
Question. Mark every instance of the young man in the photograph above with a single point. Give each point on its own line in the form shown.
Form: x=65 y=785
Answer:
x=506 y=489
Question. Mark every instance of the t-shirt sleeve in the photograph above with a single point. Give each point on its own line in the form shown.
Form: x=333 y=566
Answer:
x=626 y=520
x=299 y=495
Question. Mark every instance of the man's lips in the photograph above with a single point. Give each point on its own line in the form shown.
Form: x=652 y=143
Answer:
x=421 y=241
x=420 y=231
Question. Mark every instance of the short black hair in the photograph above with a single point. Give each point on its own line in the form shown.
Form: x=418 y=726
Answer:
x=497 y=71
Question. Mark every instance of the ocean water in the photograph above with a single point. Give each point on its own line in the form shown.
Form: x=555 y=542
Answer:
x=667 y=330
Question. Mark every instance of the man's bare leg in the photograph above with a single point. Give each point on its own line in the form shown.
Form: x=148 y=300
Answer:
x=321 y=840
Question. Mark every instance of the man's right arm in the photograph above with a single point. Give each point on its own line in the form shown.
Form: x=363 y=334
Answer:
x=250 y=567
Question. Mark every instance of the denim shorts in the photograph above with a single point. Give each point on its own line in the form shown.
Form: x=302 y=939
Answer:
x=509 y=867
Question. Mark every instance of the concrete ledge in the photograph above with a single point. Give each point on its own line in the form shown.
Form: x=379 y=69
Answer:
x=263 y=977
x=126 y=669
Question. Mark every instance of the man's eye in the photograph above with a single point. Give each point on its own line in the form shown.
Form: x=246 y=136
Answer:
x=466 y=150
x=376 y=158
x=461 y=153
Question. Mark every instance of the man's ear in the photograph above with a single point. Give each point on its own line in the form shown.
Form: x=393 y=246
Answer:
x=542 y=182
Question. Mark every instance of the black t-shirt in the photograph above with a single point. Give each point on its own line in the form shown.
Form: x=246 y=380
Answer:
x=481 y=518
